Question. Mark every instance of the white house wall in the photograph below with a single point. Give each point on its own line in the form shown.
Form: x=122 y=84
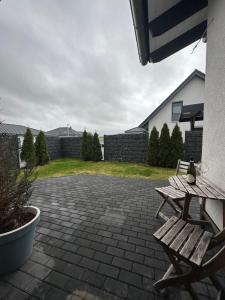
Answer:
x=192 y=93
x=214 y=119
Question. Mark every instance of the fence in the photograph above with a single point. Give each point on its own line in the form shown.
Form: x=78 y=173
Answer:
x=126 y=147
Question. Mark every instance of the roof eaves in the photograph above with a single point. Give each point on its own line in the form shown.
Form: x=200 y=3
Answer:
x=139 y=11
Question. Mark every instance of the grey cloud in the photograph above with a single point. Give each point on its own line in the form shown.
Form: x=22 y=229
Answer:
x=76 y=62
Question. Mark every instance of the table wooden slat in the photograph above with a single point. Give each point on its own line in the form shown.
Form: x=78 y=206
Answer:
x=191 y=242
x=212 y=189
x=179 y=240
x=179 y=184
x=167 y=239
x=163 y=230
x=188 y=187
x=201 y=248
x=202 y=186
x=216 y=188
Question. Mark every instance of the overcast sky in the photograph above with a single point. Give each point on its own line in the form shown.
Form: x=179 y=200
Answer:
x=76 y=62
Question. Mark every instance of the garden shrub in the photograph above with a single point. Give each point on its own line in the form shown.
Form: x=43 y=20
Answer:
x=89 y=146
x=177 y=148
x=84 y=146
x=153 y=148
x=96 y=151
x=28 y=149
x=41 y=150
x=164 y=147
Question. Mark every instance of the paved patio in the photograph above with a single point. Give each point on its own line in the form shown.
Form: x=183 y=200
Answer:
x=94 y=241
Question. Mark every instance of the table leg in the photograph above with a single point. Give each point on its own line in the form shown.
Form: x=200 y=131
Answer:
x=187 y=201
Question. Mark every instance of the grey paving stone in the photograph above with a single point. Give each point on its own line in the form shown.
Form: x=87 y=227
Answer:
x=57 y=279
x=130 y=278
x=116 y=287
x=108 y=270
x=115 y=251
x=89 y=263
x=122 y=263
x=103 y=257
x=143 y=270
x=94 y=278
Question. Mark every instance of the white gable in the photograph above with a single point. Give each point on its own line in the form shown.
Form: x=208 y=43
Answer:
x=192 y=93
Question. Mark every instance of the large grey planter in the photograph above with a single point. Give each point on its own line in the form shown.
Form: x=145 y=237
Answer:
x=16 y=245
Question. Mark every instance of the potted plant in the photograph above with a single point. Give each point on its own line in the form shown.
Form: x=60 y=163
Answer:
x=17 y=219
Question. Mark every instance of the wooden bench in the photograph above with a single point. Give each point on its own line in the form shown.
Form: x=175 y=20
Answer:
x=187 y=243
x=170 y=195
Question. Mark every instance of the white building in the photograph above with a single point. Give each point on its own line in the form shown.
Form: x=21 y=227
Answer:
x=164 y=27
x=190 y=91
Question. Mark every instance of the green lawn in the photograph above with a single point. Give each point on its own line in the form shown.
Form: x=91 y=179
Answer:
x=64 y=167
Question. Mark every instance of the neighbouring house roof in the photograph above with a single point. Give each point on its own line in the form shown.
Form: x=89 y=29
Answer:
x=135 y=130
x=64 y=131
x=190 y=111
x=13 y=129
x=165 y=27
x=177 y=90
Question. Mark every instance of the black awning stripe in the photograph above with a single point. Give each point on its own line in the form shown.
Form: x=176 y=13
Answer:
x=178 y=43
x=175 y=15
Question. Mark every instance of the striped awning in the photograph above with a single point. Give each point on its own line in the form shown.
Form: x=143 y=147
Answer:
x=163 y=27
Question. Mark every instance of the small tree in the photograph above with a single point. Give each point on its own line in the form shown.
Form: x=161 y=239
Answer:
x=164 y=147
x=153 y=148
x=28 y=149
x=96 y=151
x=89 y=146
x=41 y=150
x=84 y=146
x=177 y=148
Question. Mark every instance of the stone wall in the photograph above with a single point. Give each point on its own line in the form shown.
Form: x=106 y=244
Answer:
x=54 y=147
x=126 y=147
x=193 y=145
x=71 y=147
x=9 y=151
x=63 y=147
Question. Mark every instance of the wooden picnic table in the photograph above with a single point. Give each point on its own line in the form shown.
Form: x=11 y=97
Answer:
x=203 y=189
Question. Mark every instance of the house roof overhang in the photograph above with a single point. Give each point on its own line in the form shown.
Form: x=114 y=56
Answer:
x=165 y=27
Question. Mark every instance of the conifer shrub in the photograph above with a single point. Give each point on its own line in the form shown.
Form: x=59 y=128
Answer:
x=41 y=149
x=84 y=146
x=153 y=148
x=96 y=151
x=164 y=147
x=177 y=147
x=28 y=149
x=89 y=146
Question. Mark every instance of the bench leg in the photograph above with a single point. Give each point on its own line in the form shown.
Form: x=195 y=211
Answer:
x=160 y=207
x=175 y=266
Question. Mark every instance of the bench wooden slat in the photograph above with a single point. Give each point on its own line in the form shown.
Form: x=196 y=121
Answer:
x=189 y=246
x=171 y=192
x=163 y=230
x=176 y=192
x=201 y=248
x=173 y=183
x=179 y=240
x=167 y=239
